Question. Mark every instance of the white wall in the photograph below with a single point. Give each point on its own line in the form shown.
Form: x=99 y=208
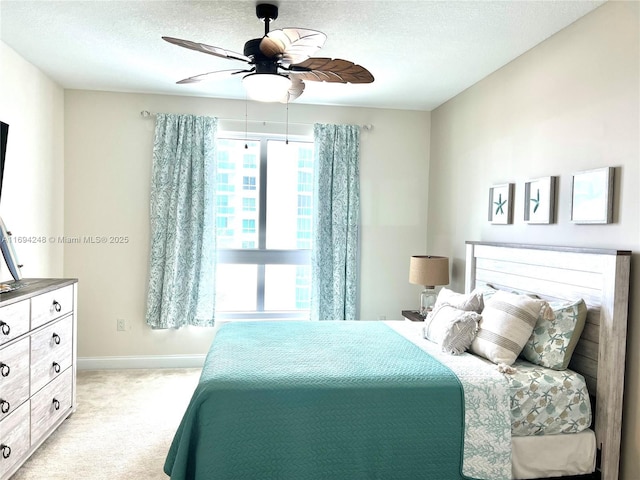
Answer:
x=108 y=149
x=572 y=103
x=33 y=190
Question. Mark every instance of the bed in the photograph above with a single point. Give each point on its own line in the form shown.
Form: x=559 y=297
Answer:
x=316 y=400
x=601 y=278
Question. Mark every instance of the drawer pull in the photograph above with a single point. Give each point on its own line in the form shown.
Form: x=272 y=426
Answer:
x=56 y=404
x=5 y=328
x=4 y=369
x=56 y=306
x=4 y=406
x=6 y=450
x=56 y=367
x=56 y=339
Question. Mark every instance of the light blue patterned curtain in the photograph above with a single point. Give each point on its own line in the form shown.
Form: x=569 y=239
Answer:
x=182 y=260
x=335 y=255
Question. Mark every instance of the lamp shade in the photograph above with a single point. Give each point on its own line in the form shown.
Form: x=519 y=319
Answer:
x=266 y=87
x=429 y=271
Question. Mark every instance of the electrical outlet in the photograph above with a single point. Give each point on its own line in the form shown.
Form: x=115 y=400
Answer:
x=121 y=325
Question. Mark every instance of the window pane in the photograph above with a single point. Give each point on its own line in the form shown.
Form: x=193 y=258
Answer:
x=250 y=160
x=236 y=288
x=287 y=287
x=249 y=204
x=248 y=183
x=237 y=201
x=223 y=161
x=248 y=226
x=289 y=193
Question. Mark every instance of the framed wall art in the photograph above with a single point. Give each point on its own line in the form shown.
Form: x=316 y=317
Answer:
x=501 y=204
x=540 y=200
x=592 y=196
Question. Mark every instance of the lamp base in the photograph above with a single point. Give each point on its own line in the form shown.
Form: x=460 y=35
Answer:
x=427 y=300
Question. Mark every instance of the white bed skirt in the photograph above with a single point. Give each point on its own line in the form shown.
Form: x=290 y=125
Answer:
x=553 y=455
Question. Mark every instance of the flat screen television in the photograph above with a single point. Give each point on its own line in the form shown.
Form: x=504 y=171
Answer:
x=6 y=245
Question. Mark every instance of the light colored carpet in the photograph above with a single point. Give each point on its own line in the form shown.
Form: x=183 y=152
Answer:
x=121 y=430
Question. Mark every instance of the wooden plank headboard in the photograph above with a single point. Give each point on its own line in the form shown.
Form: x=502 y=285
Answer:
x=601 y=278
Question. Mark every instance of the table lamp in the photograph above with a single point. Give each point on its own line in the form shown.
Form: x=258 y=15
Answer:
x=428 y=271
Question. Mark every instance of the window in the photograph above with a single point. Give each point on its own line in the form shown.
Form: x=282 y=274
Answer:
x=248 y=204
x=305 y=181
x=248 y=226
x=304 y=205
x=249 y=161
x=264 y=247
x=222 y=203
x=248 y=183
x=224 y=163
x=223 y=183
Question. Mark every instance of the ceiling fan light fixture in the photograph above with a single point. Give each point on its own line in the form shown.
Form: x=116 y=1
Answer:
x=266 y=87
x=289 y=51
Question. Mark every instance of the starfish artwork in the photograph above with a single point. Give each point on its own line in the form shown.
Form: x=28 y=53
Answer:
x=536 y=201
x=500 y=205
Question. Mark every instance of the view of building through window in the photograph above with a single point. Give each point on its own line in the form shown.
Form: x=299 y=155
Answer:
x=264 y=203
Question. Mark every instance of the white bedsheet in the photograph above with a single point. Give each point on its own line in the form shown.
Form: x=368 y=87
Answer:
x=553 y=455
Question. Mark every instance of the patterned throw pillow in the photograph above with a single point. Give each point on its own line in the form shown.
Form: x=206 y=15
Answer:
x=507 y=322
x=451 y=328
x=553 y=341
x=471 y=302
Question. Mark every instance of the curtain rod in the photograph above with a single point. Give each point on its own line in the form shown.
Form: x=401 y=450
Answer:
x=147 y=113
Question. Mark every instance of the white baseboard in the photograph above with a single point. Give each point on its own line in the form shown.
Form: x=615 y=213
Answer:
x=145 y=361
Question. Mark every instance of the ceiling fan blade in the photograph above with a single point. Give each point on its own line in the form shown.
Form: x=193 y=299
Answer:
x=212 y=75
x=292 y=45
x=201 y=47
x=296 y=89
x=331 y=70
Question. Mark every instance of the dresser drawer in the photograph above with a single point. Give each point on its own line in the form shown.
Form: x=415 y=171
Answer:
x=14 y=438
x=51 y=305
x=51 y=352
x=50 y=404
x=14 y=321
x=14 y=376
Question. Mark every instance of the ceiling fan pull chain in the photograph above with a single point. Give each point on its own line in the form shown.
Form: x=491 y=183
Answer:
x=286 y=131
x=246 y=143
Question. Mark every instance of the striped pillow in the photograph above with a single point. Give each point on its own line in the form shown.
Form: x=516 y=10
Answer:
x=507 y=322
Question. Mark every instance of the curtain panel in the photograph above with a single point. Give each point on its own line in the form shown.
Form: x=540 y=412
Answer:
x=335 y=252
x=181 y=288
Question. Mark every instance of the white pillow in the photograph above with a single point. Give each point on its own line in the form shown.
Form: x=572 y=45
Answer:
x=507 y=322
x=486 y=292
x=471 y=302
x=453 y=329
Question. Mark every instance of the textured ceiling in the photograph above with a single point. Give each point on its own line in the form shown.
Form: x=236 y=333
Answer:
x=421 y=53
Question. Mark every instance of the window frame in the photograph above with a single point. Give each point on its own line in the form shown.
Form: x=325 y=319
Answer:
x=261 y=256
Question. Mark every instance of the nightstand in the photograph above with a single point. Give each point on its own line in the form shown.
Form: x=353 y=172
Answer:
x=412 y=316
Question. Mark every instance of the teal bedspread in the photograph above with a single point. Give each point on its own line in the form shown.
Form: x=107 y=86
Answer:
x=319 y=400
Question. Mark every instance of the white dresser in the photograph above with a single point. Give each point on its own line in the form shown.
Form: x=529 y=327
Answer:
x=37 y=366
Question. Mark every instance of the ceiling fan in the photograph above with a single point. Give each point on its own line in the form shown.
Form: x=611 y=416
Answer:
x=279 y=62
